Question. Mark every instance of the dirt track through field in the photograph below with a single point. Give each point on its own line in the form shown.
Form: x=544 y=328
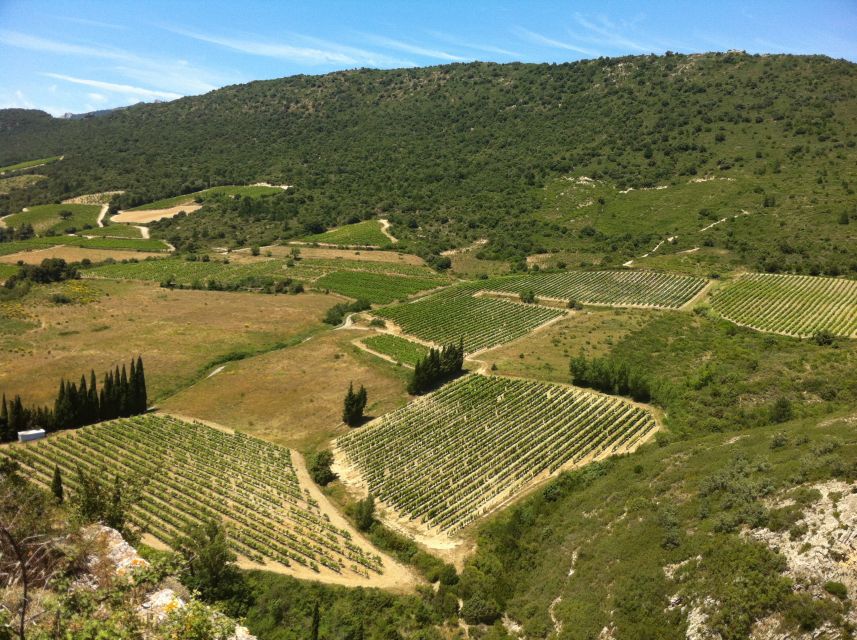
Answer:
x=385 y=229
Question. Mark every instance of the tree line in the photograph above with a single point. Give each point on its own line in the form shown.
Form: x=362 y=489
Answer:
x=50 y=270
x=10 y=234
x=610 y=376
x=122 y=394
x=438 y=366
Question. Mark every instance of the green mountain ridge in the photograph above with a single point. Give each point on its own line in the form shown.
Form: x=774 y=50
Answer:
x=454 y=153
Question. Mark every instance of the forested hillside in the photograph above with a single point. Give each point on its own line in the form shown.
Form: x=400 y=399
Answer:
x=455 y=153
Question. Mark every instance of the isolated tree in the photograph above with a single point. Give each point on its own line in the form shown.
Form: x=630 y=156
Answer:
x=56 y=486
x=353 y=406
x=209 y=563
x=365 y=514
x=320 y=468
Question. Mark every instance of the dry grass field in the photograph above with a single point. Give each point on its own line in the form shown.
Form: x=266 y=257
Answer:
x=76 y=254
x=293 y=396
x=178 y=332
x=279 y=251
x=544 y=354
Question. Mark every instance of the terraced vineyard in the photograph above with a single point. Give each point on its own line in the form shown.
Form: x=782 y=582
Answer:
x=130 y=244
x=370 y=281
x=399 y=349
x=455 y=313
x=791 y=305
x=190 y=473
x=450 y=457
x=621 y=288
x=366 y=234
x=376 y=287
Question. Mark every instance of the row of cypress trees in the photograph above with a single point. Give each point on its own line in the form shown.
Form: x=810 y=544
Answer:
x=121 y=395
x=437 y=367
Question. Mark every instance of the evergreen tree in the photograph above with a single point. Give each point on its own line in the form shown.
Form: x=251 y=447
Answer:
x=313 y=630
x=56 y=486
x=353 y=405
x=17 y=416
x=142 y=396
x=124 y=395
x=92 y=400
x=5 y=433
x=365 y=515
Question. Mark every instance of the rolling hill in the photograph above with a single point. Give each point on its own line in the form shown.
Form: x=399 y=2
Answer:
x=455 y=153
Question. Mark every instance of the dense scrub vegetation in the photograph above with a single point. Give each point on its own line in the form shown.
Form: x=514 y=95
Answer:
x=454 y=153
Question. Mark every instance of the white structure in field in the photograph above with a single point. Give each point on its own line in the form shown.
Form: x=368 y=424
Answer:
x=33 y=434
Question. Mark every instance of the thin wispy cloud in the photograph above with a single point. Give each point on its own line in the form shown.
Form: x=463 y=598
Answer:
x=93 y=23
x=473 y=45
x=537 y=38
x=35 y=43
x=253 y=46
x=607 y=33
x=113 y=87
x=417 y=50
x=175 y=76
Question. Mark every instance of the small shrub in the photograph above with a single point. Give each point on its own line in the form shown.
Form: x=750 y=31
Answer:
x=836 y=589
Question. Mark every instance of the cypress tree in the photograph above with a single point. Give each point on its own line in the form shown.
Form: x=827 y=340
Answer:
x=348 y=406
x=313 y=631
x=83 y=416
x=5 y=434
x=56 y=486
x=142 y=396
x=124 y=394
x=132 y=384
x=59 y=405
x=92 y=400
x=17 y=416
x=70 y=406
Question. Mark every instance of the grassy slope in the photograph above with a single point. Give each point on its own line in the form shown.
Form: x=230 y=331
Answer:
x=708 y=374
x=366 y=233
x=627 y=519
x=28 y=163
x=46 y=217
x=237 y=190
x=133 y=244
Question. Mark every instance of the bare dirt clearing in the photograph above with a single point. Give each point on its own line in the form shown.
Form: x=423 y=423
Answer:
x=76 y=254
x=151 y=215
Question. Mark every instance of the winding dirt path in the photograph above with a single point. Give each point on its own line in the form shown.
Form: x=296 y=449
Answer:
x=385 y=229
x=101 y=214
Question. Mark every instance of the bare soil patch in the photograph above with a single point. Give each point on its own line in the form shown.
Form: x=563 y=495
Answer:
x=76 y=254
x=150 y=215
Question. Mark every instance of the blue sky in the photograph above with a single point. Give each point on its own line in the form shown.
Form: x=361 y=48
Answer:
x=83 y=55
